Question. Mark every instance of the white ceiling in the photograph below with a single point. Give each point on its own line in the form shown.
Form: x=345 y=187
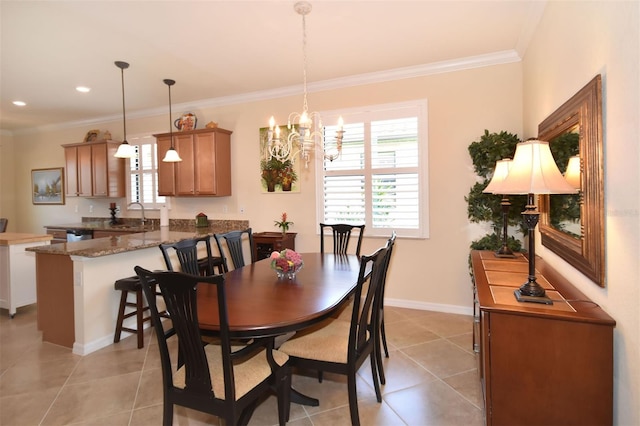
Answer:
x=221 y=50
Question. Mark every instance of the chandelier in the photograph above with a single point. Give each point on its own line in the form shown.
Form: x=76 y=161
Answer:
x=303 y=137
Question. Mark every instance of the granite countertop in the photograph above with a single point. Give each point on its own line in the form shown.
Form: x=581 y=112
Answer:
x=12 y=238
x=135 y=241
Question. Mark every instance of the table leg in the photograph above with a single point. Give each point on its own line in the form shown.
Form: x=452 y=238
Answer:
x=302 y=399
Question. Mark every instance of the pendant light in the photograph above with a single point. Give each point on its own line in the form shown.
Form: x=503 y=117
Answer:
x=172 y=155
x=124 y=150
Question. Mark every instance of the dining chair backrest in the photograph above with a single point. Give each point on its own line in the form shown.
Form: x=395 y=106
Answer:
x=364 y=315
x=206 y=378
x=381 y=335
x=187 y=254
x=234 y=242
x=390 y=244
x=341 y=236
x=3 y=224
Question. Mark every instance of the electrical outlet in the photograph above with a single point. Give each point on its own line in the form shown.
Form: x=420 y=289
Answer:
x=225 y=209
x=91 y=208
x=76 y=208
x=241 y=210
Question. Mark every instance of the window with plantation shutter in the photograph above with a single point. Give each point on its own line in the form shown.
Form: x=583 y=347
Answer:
x=380 y=179
x=143 y=173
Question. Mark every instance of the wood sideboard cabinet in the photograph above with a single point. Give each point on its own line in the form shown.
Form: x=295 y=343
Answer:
x=264 y=243
x=205 y=169
x=540 y=364
x=92 y=170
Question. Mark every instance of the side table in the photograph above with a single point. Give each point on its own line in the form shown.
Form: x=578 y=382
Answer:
x=264 y=243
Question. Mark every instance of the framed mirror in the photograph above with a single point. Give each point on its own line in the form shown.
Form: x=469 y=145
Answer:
x=572 y=226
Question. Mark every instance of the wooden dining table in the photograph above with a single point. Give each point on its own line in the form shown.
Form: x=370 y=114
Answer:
x=260 y=305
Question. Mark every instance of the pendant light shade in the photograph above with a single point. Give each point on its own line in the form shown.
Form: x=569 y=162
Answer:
x=124 y=150
x=172 y=155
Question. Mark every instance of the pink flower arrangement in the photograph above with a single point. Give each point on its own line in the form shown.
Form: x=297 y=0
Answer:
x=286 y=260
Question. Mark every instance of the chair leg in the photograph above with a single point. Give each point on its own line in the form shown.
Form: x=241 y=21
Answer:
x=320 y=376
x=378 y=358
x=374 y=376
x=167 y=414
x=384 y=338
x=123 y=302
x=139 y=318
x=353 y=398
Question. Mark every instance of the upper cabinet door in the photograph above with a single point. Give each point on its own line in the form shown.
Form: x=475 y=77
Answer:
x=213 y=164
x=92 y=170
x=166 y=171
x=205 y=169
x=185 y=169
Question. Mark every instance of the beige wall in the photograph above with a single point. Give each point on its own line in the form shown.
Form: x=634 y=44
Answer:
x=7 y=181
x=574 y=42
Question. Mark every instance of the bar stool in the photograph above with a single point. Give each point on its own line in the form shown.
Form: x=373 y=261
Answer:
x=126 y=286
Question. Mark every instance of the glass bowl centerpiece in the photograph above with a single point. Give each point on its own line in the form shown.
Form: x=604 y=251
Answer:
x=286 y=263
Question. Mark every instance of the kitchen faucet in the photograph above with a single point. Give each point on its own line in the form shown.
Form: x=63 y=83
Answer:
x=142 y=219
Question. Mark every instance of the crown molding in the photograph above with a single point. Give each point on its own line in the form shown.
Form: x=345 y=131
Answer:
x=487 y=60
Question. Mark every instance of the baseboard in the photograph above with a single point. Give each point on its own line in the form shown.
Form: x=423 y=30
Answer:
x=425 y=306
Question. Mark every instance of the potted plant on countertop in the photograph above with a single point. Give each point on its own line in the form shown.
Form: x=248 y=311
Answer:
x=283 y=223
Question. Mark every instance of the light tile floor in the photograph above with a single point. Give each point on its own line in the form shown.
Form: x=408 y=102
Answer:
x=431 y=380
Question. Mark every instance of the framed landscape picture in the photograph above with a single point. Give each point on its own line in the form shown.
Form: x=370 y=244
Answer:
x=47 y=186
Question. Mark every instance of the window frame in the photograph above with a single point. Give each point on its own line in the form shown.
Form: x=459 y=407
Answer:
x=158 y=201
x=382 y=112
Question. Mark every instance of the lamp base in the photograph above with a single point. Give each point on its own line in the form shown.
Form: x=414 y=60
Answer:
x=532 y=299
x=504 y=252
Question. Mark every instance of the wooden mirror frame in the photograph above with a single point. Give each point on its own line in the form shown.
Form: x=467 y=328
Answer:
x=586 y=254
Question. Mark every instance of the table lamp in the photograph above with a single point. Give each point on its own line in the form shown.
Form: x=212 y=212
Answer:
x=500 y=173
x=534 y=171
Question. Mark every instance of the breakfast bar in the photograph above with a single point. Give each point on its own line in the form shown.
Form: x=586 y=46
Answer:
x=77 y=304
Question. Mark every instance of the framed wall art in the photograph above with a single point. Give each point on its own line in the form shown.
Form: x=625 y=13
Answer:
x=277 y=175
x=47 y=186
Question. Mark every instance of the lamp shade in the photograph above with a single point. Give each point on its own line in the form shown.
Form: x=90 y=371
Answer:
x=572 y=174
x=125 y=151
x=499 y=175
x=534 y=171
x=171 y=156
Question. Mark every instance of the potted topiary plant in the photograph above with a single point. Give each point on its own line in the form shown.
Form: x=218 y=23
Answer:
x=483 y=207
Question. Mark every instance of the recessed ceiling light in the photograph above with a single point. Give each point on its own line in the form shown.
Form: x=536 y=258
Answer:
x=19 y=103
x=83 y=89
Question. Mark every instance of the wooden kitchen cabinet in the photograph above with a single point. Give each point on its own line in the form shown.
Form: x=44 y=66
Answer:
x=540 y=364
x=205 y=169
x=92 y=170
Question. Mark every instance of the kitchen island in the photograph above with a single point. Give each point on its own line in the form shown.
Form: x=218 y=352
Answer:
x=17 y=269
x=77 y=303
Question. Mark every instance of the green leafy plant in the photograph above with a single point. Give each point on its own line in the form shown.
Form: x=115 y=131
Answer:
x=483 y=207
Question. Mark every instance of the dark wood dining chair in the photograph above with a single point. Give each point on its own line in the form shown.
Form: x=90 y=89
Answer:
x=221 y=379
x=341 y=346
x=381 y=334
x=341 y=236
x=187 y=254
x=234 y=241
